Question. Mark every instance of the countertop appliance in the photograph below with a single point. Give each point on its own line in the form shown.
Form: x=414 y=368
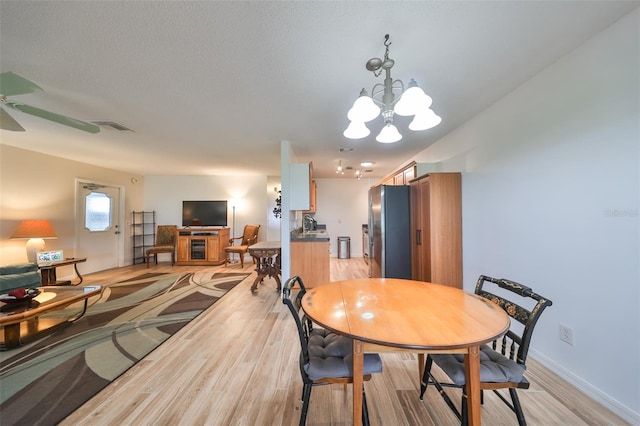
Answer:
x=389 y=232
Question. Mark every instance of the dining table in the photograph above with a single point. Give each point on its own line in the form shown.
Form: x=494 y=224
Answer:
x=391 y=315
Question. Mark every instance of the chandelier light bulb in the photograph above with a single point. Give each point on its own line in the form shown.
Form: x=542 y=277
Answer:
x=412 y=100
x=356 y=130
x=363 y=109
x=389 y=134
x=424 y=119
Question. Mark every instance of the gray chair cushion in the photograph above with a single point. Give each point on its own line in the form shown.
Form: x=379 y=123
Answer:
x=330 y=355
x=494 y=367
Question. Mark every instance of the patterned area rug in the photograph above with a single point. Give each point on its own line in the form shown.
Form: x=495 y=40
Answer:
x=44 y=382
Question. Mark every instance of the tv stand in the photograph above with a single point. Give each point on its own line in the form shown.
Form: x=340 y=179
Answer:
x=202 y=246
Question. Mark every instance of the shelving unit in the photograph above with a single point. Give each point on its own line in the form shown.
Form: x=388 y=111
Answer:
x=143 y=233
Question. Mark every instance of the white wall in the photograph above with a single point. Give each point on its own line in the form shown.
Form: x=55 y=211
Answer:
x=551 y=190
x=342 y=206
x=40 y=186
x=165 y=194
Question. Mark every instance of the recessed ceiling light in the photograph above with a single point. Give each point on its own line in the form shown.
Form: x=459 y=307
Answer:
x=367 y=163
x=346 y=150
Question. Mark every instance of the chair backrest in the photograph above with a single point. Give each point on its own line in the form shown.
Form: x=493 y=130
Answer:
x=250 y=235
x=514 y=344
x=303 y=324
x=166 y=235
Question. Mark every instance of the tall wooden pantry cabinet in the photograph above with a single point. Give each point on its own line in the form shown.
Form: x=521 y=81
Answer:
x=436 y=229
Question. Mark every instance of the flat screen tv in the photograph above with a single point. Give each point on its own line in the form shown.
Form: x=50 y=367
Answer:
x=204 y=213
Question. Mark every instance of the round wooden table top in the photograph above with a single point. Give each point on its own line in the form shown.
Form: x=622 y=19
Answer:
x=405 y=314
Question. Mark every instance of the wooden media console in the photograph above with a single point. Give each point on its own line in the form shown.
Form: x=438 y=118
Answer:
x=202 y=246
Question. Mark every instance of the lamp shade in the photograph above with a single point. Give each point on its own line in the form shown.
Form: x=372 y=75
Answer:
x=38 y=228
x=425 y=119
x=363 y=109
x=389 y=134
x=356 y=130
x=412 y=100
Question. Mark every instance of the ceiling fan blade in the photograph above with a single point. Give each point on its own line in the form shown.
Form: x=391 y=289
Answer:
x=51 y=116
x=12 y=84
x=8 y=123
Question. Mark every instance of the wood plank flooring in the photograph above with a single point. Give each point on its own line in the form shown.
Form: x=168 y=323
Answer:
x=237 y=364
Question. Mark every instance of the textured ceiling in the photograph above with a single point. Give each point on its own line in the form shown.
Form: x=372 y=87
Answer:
x=213 y=87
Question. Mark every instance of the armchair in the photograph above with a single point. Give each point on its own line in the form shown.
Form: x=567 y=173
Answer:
x=165 y=243
x=248 y=238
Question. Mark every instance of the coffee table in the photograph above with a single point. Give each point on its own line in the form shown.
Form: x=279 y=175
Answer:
x=24 y=322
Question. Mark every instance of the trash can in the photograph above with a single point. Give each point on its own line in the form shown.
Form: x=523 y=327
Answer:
x=344 y=247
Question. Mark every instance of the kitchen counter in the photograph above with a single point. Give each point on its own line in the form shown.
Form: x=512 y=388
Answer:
x=317 y=235
x=310 y=255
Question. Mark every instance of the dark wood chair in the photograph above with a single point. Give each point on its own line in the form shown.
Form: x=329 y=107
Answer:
x=325 y=357
x=166 y=236
x=502 y=363
x=249 y=237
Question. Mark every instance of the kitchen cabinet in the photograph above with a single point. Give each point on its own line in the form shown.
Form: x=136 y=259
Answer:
x=310 y=261
x=312 y=198
x=302 y=187
x=401 y=176
x=436 y=229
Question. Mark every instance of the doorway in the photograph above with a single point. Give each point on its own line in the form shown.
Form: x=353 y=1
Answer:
x=98 y=225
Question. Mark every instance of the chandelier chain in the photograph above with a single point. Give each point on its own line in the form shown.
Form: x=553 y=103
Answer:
x=386 y=43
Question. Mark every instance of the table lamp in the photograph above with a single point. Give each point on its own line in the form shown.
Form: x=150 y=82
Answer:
x=35 y=231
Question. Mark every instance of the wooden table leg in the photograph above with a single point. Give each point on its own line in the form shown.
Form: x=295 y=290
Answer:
x=48 y=276
x=472 y=378
x=11 y=336
x=358 y=371
x=75 y=266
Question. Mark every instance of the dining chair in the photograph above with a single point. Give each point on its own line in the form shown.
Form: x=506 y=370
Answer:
x=248 y=238
x=165 y=243
x=503 y=362
x=325 y=357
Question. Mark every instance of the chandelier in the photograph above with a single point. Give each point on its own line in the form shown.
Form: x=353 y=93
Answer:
x=411 y=102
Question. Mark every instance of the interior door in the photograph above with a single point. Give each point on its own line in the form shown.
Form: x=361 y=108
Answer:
x=98 y=225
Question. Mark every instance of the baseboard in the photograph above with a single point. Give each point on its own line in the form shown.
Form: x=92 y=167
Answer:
x=587 y=388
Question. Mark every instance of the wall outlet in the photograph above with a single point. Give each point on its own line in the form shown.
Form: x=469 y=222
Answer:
x=566 y=334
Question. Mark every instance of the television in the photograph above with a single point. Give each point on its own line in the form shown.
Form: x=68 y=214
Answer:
x=204 y=213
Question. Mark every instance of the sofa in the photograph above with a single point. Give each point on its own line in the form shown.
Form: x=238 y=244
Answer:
x=21 y=275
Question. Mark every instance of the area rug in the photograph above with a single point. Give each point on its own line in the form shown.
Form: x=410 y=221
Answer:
x=46 y=381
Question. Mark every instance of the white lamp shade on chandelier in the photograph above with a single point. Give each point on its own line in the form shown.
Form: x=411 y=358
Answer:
x=389 y=134
x=424 y=120
x=363 y=109
x=356 y=130
x=411 y=102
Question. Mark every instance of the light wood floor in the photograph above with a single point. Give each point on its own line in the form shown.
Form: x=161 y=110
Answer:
x=237 y=364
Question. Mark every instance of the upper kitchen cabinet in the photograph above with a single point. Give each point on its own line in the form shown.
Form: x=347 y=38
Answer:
x=401 y=176
x=312 y=196
x=303 y=187
x=436 y=229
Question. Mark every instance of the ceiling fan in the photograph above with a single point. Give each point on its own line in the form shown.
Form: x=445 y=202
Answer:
x=12 y=84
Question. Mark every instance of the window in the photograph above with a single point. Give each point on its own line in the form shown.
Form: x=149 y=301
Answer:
x=97 y=212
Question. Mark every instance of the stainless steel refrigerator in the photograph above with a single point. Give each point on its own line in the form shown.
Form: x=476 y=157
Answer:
x=389 y=232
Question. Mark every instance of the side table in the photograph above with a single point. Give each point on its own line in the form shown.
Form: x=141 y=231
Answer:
x=267 y=256
x=48 y=272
